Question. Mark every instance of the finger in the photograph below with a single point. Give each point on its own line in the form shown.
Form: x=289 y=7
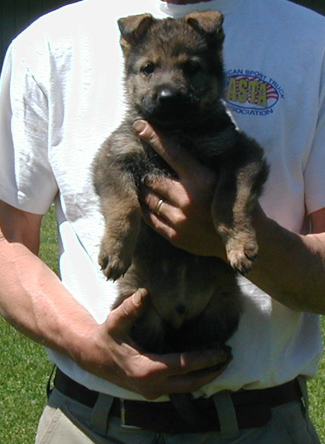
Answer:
x=197 y=371
x=155 y=203
x=122 y=318
x=174 y=373
x=194 y=381
x=178 y=159
x=195 y=361
x=159 y=223
x=171 y=190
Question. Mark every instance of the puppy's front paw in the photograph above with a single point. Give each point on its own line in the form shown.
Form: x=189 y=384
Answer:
x=242 y=255
x=113 y=265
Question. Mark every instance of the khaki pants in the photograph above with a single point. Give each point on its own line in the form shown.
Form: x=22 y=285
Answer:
x=65 y=421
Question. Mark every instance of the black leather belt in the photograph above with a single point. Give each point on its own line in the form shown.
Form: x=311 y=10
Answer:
x=252 y=407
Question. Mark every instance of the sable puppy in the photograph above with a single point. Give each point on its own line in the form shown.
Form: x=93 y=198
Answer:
x=174 y=79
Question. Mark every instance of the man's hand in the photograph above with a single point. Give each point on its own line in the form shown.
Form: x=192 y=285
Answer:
x=184 y=217
x=115 y=357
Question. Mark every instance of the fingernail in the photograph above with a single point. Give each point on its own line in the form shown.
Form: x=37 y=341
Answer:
x=138 y=296
x=139 y=126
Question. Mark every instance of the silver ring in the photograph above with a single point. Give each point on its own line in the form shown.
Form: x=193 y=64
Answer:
x=158 y=207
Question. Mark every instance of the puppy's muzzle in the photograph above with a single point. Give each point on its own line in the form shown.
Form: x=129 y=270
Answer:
x=170 y=104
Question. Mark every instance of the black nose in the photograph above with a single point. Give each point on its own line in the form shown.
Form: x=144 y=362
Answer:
x=168 y=96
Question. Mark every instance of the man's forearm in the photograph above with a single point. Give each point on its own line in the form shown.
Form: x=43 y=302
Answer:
x=290 y=267
x=35 y=302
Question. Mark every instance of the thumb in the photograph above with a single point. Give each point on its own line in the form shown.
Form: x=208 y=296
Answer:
x=122 y=318
x=180 y=160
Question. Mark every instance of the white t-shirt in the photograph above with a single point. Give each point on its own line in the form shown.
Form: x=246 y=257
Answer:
x=62 y=95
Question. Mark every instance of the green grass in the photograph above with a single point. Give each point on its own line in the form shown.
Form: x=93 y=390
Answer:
x=25 y=369
x=317 y=396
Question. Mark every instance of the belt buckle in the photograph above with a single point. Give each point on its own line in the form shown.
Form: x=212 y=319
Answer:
x=124 y=424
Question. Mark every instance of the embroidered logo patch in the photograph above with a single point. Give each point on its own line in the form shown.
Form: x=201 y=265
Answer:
x=251 y=92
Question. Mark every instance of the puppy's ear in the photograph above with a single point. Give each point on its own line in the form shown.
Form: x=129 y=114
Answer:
x=208 y=23
x=132 y=28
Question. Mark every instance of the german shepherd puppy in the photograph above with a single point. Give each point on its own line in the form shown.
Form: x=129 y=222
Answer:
x=174 y=79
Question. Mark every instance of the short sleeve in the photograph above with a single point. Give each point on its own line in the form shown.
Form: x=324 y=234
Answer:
x=26 y=178
x=315 y=168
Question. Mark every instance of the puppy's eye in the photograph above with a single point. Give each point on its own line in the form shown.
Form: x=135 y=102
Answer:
x=148 y=68
x=192 y=67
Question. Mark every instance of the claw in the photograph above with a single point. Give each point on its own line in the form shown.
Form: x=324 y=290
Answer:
x=113 y=269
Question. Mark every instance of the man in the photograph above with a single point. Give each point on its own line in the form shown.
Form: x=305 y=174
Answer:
x=61 y=95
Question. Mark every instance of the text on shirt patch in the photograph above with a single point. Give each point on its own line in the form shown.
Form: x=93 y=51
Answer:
x=251 y=92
